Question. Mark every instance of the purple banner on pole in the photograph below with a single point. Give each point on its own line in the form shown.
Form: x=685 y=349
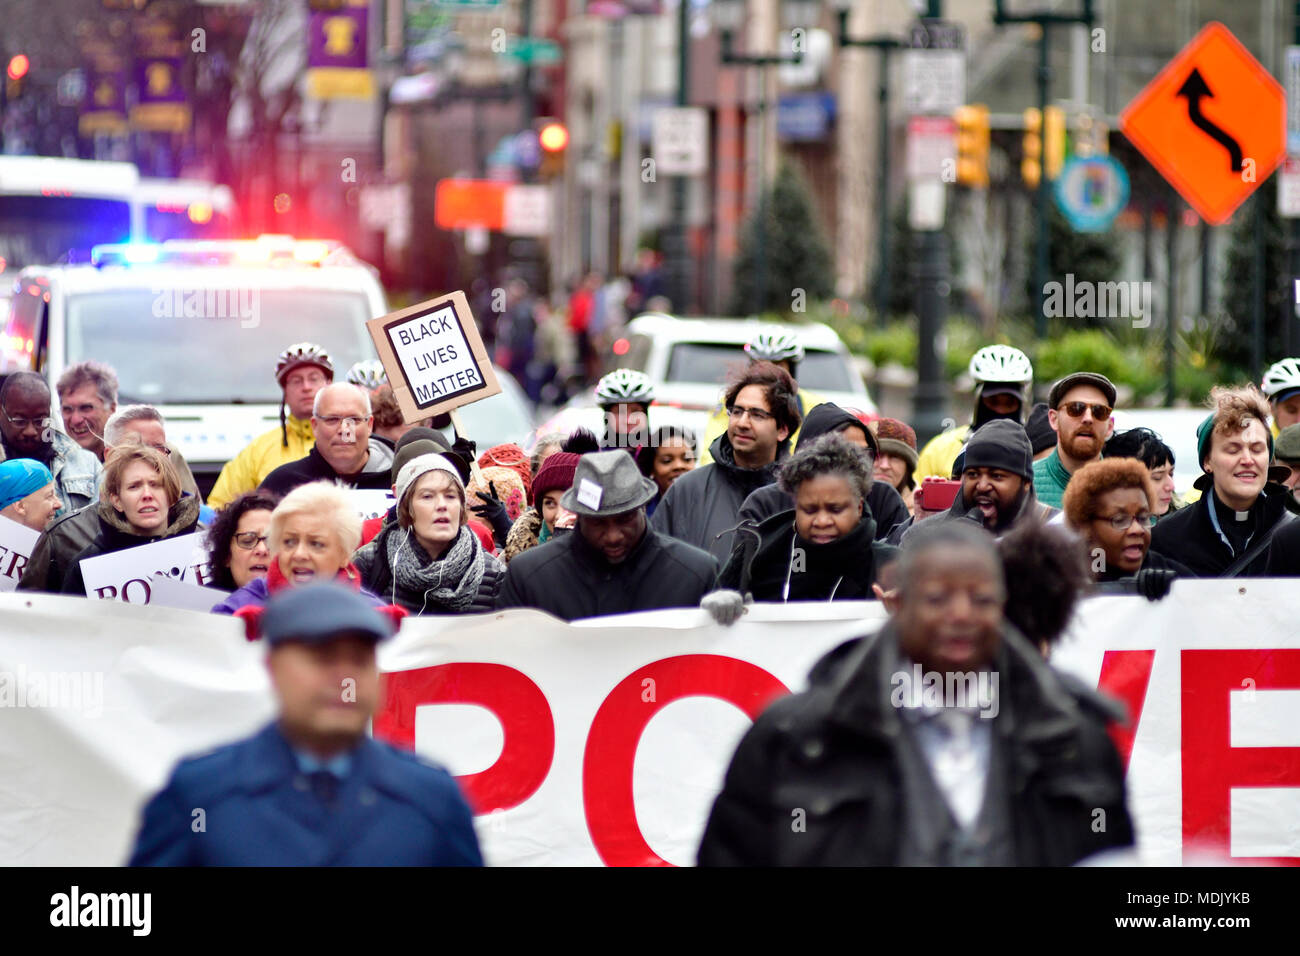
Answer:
x=158 y=80
x=339 y=39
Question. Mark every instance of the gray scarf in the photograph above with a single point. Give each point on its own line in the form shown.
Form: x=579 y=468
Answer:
x=451 y=581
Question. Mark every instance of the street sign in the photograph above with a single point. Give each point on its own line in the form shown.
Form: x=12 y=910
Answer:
x=1293 y=100
x=527 y=211
x=466 y=203
x=931 y=142
x=1212 y=122
x=1091 y=192
x=937 y=35
x=539 y=52
x=1288 y=189
x=680 y=141
x=934 y=81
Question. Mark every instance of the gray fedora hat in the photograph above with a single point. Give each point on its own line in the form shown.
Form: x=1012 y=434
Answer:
x=607 y=483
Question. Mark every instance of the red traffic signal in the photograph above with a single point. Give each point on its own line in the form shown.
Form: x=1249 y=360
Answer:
x=553 y=137
x=18 y=66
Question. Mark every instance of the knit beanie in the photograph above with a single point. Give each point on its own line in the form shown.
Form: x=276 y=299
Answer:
x=1003 y=444
x=1039 y=428
x=897 y=438
x=556 y=474
x=509 y=456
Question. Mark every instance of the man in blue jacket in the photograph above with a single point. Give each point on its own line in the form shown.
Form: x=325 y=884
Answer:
x=311 y=788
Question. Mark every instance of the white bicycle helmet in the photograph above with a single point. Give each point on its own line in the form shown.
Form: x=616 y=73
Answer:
x=624 y=385
x=1001 y=363
x=300 y=354
x=1282 y=376
x=774 y=345
x=368 y=374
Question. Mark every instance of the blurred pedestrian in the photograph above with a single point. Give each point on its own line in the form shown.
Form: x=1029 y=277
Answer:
x=238 y=541
x=140 y=503
x=27 y=493
x=344 y=451
x=863 y=768
x=312 y=788
x=27 y=431
x=301 y=371
x=1079 y=411
x=87 y=397
x=430 y=562
x=614 y=562
x=1046 y=572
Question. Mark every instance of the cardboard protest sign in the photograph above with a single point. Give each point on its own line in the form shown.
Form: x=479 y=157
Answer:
x=127 y=575
x=434 y=357
x=168 y=592
x=372 y=502
x=16 y=544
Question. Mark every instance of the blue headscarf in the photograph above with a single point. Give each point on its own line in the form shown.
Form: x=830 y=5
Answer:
x=19 y=477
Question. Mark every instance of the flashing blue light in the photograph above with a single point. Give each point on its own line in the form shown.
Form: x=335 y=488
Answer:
x=138 y=254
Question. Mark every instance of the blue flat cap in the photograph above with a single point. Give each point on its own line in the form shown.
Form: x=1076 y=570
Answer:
x=320 y=613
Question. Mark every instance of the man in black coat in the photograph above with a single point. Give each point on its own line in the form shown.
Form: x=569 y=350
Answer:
x=1228 y=531
x=613 y=562
x=943 y=740
x=885 y=504
x=344 y=451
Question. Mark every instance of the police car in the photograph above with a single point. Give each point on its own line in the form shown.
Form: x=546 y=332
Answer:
x=194 y=328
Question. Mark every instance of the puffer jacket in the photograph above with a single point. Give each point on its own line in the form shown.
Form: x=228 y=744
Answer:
x=115 y=534
x=836 y=753
x=376 y=571
x=265 y=453
x=702 y=507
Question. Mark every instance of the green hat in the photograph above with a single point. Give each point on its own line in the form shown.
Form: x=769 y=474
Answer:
x=1287 y=446
x=1203 y=432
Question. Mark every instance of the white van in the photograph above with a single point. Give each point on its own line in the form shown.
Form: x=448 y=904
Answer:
x=195 y=328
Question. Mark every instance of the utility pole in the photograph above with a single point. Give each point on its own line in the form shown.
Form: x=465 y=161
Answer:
x=676 y=256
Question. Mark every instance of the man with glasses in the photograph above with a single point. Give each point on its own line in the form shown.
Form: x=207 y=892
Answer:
x=27 y=431
x=69 y=534
x=1079 y=410
x=344 y=449
x=702 y=507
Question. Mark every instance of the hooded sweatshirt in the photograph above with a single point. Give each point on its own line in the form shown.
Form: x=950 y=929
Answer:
x=885 y=503
x=376 y=473
x=702 y=507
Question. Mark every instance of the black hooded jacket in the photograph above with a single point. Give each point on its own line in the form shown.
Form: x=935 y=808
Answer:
x=886 y=504
x=765 y=557
x=702 y=507
x=1189 y=537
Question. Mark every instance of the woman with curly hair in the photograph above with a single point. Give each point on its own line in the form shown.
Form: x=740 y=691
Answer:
x=238 y=546
x=823 y=548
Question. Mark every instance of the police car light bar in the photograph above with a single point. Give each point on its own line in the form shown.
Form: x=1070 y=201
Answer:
x=266 y=249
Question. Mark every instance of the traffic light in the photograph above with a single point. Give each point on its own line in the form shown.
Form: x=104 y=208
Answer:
x=1031 y=165
x=973 y=145
x=15 y=74
x=553 y=137
x=1053 y=141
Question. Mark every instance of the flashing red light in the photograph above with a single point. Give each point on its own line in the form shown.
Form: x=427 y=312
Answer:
x=553 y=137
x=621 y=347
x=18 y=66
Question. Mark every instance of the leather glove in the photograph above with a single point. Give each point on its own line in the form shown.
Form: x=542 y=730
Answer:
x=494 y=513
x=465 y=447
x=1154 y=583
x=725 y=606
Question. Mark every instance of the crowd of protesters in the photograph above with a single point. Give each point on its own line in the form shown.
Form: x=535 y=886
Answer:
x=983 y=539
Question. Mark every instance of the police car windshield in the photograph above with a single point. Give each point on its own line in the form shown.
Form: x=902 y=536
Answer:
x=211 y=346
x=711 y=361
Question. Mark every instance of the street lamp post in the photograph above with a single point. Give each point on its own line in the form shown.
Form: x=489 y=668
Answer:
x=883 y=44
x=728 y=15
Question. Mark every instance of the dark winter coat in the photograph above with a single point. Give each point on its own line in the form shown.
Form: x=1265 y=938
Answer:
x=702 y=507
x=377 y=577
x=57 y=548
x=835 y=752
x=375 y=474
x=1284 y=552
x=1189 y=536
x=569 y=578
x=765 y=557
x=115 y=534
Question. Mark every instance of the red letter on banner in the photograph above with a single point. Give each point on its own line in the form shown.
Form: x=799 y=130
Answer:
x=616 y=731
x=1125 y=675
x=520 y=705
x=1211 y=765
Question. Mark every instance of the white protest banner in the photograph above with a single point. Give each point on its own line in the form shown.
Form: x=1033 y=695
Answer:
x=126 y=575
x=168 y=592
x=372 y=502
x=434 y=357
x=16 y=544
x=606 y=741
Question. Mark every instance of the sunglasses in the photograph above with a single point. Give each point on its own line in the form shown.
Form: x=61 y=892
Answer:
x=1076 y=410
x=248 y=540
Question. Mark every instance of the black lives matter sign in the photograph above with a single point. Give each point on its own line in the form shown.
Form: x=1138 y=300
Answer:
x=434 y=356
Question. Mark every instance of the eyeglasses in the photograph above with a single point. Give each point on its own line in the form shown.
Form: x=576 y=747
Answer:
x=1076 y=409
x=22 y=423
x=756 y=415
x=248 y=540
x=1121 y=521
x=333 y=421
